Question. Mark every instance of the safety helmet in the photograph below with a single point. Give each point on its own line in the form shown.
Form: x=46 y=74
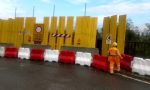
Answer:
x=114 y=44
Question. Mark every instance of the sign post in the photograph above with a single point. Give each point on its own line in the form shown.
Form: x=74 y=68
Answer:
x=108 y=39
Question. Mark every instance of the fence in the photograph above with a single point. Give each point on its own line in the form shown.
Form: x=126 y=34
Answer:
x=139 y=49
x=57 y=32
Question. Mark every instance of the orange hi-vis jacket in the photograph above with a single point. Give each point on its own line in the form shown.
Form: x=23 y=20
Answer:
x=114 y=52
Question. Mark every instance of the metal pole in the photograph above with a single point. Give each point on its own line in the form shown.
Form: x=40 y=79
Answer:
x=15 y=12
x=54 y=10
x=33 y=10
x=85 y=10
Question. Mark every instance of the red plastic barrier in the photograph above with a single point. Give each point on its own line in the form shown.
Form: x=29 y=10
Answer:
x=37 y=54
x=67 y=57
x=11 y=52
x=126 y=62
x=100 y=62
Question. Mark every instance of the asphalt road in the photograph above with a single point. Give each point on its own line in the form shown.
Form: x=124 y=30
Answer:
x=31 y=75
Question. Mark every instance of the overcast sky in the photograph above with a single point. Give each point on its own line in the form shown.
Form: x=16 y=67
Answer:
x=137 y=10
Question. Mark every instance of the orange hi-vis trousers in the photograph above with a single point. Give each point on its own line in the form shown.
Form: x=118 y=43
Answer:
x=114 y=60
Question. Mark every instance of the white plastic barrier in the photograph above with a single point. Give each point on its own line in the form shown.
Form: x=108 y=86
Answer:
x=147 y=66
x=51 y=55
x=2 y=51
x=141 y=66
x=24 y=53
x=137 y=65
x=83 y=58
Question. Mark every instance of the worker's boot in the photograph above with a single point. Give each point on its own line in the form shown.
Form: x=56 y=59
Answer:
x=111 y=70
x=118 y=68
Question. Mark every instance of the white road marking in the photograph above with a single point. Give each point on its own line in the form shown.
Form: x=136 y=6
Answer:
x=142 y=81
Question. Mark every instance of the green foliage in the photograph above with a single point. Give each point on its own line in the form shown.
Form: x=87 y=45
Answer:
x=132 y=32
x=137 y=42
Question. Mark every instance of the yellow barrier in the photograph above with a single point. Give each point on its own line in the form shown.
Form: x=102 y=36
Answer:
x=85 y=33
x=10 y=31
x=29 y=28
x=105 y=32
x=13 y=31
x=1 y=23
x=93 y=32
x=19 y=31
x=60 y=40
x=2 y=31
x=5 y=31
x=121 y=33
x=113 y=29
x=69 y=31
x=53 y=26
x=77 y=32
x=46 y=27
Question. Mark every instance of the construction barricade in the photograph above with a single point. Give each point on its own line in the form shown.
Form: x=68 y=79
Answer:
x=147 y=66
x=51 y=55
x=100 y=62
x=37 y=54
x=83 y=58
x=24 y=53
x=67 y=57
x=2 y=51
x=125 y=63
x=11 y=52
x=141 y=66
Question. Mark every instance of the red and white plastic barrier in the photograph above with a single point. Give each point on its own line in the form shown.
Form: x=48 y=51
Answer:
x=2 y=51
x=125 y=63
x=11 y=52
x=83 y=58
x=51 y=55
x=128 y=63
x=67 y=57
x=100 y=62
x=37 y=54
x=141 y=66
x=24 y=53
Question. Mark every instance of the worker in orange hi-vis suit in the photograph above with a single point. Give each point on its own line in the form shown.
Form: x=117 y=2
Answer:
x=114 y=58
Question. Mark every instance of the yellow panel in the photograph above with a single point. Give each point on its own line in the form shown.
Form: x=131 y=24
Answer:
x=93 y=32
x=19 y=31
x=14 y=32
x=46 y=27
x=1 y=30
x=53 y=26
x=113 y=28
x=60 y=40
x=77 y=38
x=85 y=33
x=69 y=30
x=121 y=33
x=15 y=28
x=13 y=39
x=5 y=31
x=29 y=28
x=10 y=33
x=105 y=32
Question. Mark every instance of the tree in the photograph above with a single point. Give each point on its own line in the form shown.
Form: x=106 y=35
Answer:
x=132 y=32
x=148 y=26
x=146 y=33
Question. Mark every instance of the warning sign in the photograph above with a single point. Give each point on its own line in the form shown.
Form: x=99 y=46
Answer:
x=38 y=33
x=108 y=39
